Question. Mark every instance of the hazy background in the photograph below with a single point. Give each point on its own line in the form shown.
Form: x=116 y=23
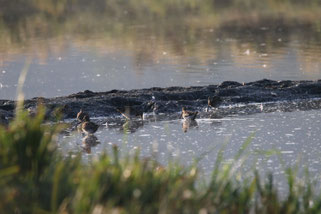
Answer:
x=107 y=44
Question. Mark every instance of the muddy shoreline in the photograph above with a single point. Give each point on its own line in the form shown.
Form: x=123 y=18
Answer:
x=237 y=98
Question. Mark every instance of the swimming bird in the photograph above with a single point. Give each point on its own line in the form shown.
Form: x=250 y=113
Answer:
x=130 y=112
x=32 y=111
x=81 y=114
x=188 y=115
x=87 y=126
x=214 y=102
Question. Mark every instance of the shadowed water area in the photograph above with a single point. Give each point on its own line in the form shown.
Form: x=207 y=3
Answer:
x=180 y=53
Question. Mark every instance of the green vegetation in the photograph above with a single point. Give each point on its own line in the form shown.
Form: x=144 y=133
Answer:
x=35 y=178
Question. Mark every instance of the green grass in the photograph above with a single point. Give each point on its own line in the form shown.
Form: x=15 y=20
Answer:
x=36 y=178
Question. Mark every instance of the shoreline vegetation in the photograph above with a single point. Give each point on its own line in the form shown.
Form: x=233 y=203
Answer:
x=147 y=29
x=36 y=178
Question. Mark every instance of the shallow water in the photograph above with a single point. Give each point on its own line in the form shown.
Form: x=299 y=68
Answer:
x=290 y=138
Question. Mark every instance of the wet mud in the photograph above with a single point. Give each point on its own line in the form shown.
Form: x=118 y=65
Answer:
x=236 y=98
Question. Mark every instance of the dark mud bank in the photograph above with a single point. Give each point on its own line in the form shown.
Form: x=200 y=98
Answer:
x=263 y=95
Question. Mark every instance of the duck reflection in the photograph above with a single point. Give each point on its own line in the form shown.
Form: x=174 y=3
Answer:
x=187 y=124
x=131 y=112
x=216 y=119
x=89 y=141
x=131 y=126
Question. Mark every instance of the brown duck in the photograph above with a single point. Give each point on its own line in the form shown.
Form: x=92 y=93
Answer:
x=130 y=112
x=214 y=102
x=188 y=115
x=81 y=114
x=87 y=126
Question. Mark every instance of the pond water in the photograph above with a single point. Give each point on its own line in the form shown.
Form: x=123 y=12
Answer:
x=286 y=138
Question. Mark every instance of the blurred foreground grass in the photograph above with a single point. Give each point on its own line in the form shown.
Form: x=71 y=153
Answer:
x=36 y=178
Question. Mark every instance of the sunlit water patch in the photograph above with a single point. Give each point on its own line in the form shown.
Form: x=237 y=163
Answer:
x=281 y=139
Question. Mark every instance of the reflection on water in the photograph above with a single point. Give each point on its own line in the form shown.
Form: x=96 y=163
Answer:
x=131 y=126
x=76 y=45
x=295 y=135
x=187 y=124
x=88 y=142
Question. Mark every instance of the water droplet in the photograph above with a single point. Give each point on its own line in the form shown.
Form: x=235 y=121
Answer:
x=155 y=146
x=127 y=173
x=202 y=211
x=290 y=143
x=187 y=194
x=137 y=193
x=286 y=152
x=264 y=28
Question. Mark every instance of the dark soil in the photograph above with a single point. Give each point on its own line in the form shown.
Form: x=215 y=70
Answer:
x=253 y=97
